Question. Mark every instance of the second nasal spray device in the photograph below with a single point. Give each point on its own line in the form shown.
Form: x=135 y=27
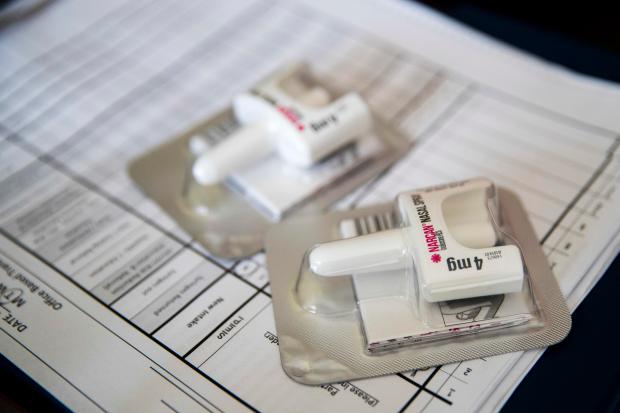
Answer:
x=291 y=144
x=289 y=116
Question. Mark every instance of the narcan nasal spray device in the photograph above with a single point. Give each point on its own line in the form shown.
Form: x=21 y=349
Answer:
x=451 y=235
x=294 y=143
x=289 y=115
x=453 y=272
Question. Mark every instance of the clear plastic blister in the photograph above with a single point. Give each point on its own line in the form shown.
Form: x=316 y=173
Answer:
x=227 y=195
x=450 y=273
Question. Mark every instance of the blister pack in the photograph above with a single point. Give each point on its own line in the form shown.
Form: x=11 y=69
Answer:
x=290 y=144
x=449 y=273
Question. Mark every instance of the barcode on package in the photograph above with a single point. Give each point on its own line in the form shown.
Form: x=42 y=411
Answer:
x=368 y=224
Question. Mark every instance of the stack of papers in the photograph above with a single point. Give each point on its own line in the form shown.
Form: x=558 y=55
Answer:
x=111 y=306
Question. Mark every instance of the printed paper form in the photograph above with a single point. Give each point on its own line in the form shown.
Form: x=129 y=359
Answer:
x=151 y=321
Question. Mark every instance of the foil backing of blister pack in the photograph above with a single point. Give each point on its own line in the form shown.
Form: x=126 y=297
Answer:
x=317 y=348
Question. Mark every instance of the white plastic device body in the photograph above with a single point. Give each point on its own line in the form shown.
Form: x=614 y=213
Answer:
x=289 y=114
x=450 y=234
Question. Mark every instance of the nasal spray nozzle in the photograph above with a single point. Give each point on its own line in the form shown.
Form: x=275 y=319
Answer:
x=290 y=115
x=450 y=235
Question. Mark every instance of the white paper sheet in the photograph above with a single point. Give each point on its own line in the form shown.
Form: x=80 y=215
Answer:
x=110 y=306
